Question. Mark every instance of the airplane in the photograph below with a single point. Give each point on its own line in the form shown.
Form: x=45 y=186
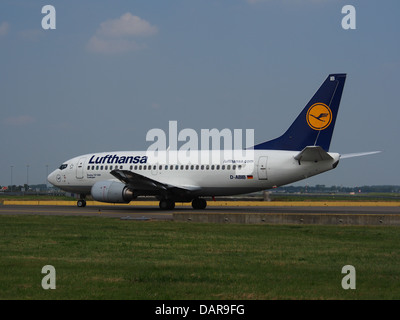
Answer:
x=301 y=152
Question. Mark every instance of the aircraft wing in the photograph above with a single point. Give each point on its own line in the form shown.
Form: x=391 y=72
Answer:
x=142 y=183
x=313 y=153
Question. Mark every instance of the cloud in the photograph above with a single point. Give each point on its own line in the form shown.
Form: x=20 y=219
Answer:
x=4 y=28
x=127 y=25
x=19 y=120
x=121 y=35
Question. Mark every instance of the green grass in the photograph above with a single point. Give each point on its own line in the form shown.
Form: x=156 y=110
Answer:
x=105 y=258
x=336 y=197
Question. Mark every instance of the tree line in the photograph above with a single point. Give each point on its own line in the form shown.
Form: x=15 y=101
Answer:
x=321 y=188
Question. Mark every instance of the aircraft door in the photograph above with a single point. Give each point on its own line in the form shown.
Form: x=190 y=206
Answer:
x=262 y=168
x=79 y=168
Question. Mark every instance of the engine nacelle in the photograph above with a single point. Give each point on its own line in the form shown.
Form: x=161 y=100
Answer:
x=111 y=191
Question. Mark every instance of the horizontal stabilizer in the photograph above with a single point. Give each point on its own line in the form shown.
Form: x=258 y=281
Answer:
x=360 y=154
x=313 y=153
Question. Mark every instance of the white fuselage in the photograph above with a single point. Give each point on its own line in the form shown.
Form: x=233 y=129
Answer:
x=207 y=173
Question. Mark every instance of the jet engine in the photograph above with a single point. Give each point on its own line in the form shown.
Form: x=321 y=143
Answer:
x=111 y=191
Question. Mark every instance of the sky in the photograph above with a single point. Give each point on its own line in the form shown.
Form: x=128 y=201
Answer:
x=111 y=71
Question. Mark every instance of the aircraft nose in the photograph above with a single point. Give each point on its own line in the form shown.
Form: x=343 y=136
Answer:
x=52 y=178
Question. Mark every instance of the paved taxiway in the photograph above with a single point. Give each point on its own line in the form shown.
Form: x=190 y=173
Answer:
x=152 y=212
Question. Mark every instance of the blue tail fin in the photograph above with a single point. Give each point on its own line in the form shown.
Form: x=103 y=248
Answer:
x=314 y=126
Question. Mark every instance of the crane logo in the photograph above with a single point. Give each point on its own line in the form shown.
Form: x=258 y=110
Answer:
x=319 y=116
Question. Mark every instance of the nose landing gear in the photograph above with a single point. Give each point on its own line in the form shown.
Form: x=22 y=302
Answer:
x=81 y=203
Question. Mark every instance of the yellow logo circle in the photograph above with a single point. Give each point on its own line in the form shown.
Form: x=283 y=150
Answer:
x=319 y=116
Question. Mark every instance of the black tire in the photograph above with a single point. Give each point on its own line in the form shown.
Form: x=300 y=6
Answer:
x=171 y=204
x=81 y=203
x=167 y=204
x=199 y=203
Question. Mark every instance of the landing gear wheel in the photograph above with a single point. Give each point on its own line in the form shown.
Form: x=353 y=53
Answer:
x=81 y=203
x=199 y=203
x=167 y=204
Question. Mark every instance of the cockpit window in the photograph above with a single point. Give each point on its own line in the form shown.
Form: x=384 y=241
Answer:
x=63 y=166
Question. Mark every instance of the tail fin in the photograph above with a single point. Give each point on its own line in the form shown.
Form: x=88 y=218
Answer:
x=314 y=126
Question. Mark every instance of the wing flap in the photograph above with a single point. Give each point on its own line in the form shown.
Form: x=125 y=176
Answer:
x=142 y=183
x=138 y=181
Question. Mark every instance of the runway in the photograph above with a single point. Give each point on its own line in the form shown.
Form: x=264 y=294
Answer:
x=220 y=212
x=150 y=212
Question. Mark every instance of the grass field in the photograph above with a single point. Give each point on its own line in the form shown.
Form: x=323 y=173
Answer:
x=108 y=258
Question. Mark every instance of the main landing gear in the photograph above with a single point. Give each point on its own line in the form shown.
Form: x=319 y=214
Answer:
x=167 y=204
x=197 y=203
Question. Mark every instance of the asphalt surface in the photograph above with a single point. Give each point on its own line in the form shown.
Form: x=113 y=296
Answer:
x=154 y=213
